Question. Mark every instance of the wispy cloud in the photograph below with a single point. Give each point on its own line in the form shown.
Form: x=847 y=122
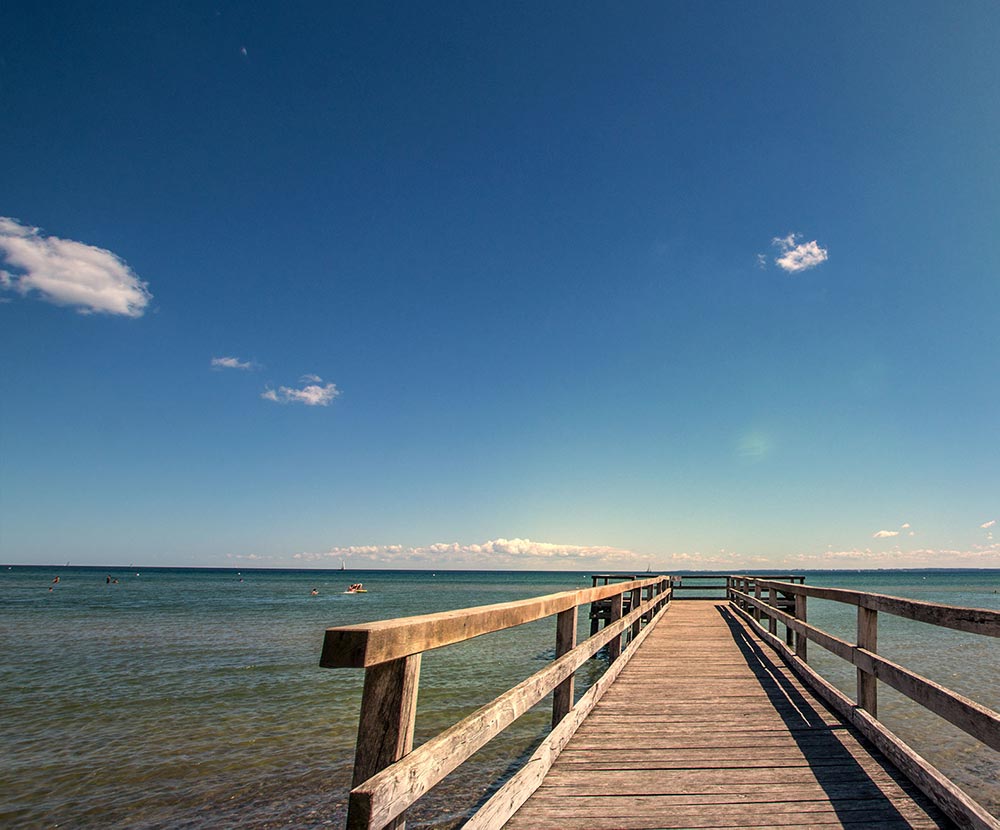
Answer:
x=493 y=553
x=797 y=256
x=978 y=556
x=988 y=525
x=884 y=534
x=232 y=363
x=65 y=272
x=314 y=393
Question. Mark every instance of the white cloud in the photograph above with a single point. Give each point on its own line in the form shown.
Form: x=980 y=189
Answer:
x=904 y=526
x=798 y=257
x=313 y=394
x=310 y=379
x=493 y=553
x=69 y=273
x=762 y=260
x=885 y=534
x=989 y=524
x=987 y=556
x=231 y=363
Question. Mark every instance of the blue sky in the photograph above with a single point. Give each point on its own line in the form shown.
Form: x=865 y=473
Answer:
x=700 y=285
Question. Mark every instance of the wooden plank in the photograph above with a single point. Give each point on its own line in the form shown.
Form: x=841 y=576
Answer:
x=972 y=620
x=358 y=646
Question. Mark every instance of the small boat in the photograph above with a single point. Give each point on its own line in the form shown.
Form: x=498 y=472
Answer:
x=356 y=588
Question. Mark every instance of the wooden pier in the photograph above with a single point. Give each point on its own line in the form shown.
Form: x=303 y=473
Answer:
x=705 y=717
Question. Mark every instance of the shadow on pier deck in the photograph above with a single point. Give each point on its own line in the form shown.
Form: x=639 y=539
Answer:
x=706 y=728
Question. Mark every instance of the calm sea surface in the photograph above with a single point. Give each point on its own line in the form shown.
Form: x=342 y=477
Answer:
x=193 y=698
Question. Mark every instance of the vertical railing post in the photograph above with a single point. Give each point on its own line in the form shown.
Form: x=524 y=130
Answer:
x=385 y=729
x=636 y=602
x=562 y=696
x=801 y=641
x=615 y=646
x=789 y=634
x=756 y=595
x=772 y=600
x=868 y=640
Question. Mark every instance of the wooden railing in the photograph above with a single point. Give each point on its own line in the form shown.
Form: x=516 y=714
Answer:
x=389 y=776
x=768 y=602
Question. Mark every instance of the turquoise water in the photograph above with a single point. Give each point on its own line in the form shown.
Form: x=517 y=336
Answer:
x=193 y=698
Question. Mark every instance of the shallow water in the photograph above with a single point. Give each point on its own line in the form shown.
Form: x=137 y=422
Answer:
x=190 y=698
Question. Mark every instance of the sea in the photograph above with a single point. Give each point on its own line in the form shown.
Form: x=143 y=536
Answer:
x=193 y=698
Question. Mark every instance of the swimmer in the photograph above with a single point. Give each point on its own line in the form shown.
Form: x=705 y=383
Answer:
x=314 y=593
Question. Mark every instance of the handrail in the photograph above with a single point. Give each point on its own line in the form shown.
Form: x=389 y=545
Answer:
x=389 y=776
x=785 y=603
x=360 y=646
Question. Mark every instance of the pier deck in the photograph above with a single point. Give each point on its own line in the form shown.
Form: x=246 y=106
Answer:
x=707 y=727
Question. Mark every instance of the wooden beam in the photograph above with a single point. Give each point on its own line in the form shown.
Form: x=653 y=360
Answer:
x=562 y=696
x=868 y=640
x=385 y=727
x=615 y=646
x=973 y=620
x=359 y=646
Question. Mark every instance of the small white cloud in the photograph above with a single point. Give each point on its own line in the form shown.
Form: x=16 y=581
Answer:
x=989 y=524
x=65 y=272
x=310 y=379
x=231 y=363
x=313 y=394
x=884 y=534
x=798 y=257
x=904 y=526
x=243 y=51
x=762 y=261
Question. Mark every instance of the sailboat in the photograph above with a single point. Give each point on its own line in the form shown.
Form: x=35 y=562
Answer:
x=343 y=565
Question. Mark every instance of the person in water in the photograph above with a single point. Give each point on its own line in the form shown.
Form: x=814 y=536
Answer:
x=314 y=592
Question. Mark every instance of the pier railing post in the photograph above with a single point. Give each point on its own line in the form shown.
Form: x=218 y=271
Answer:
x=385 y=729
x=562 y=695
x=636 y=602
x=772 y=600
x=801 y=641
x=756 y=594
x=868 y=640
x=615 y=646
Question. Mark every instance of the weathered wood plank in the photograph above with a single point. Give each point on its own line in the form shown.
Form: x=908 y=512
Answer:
x=562 y=695
x=388 y=711
x=364 y=645
x=973 y=620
